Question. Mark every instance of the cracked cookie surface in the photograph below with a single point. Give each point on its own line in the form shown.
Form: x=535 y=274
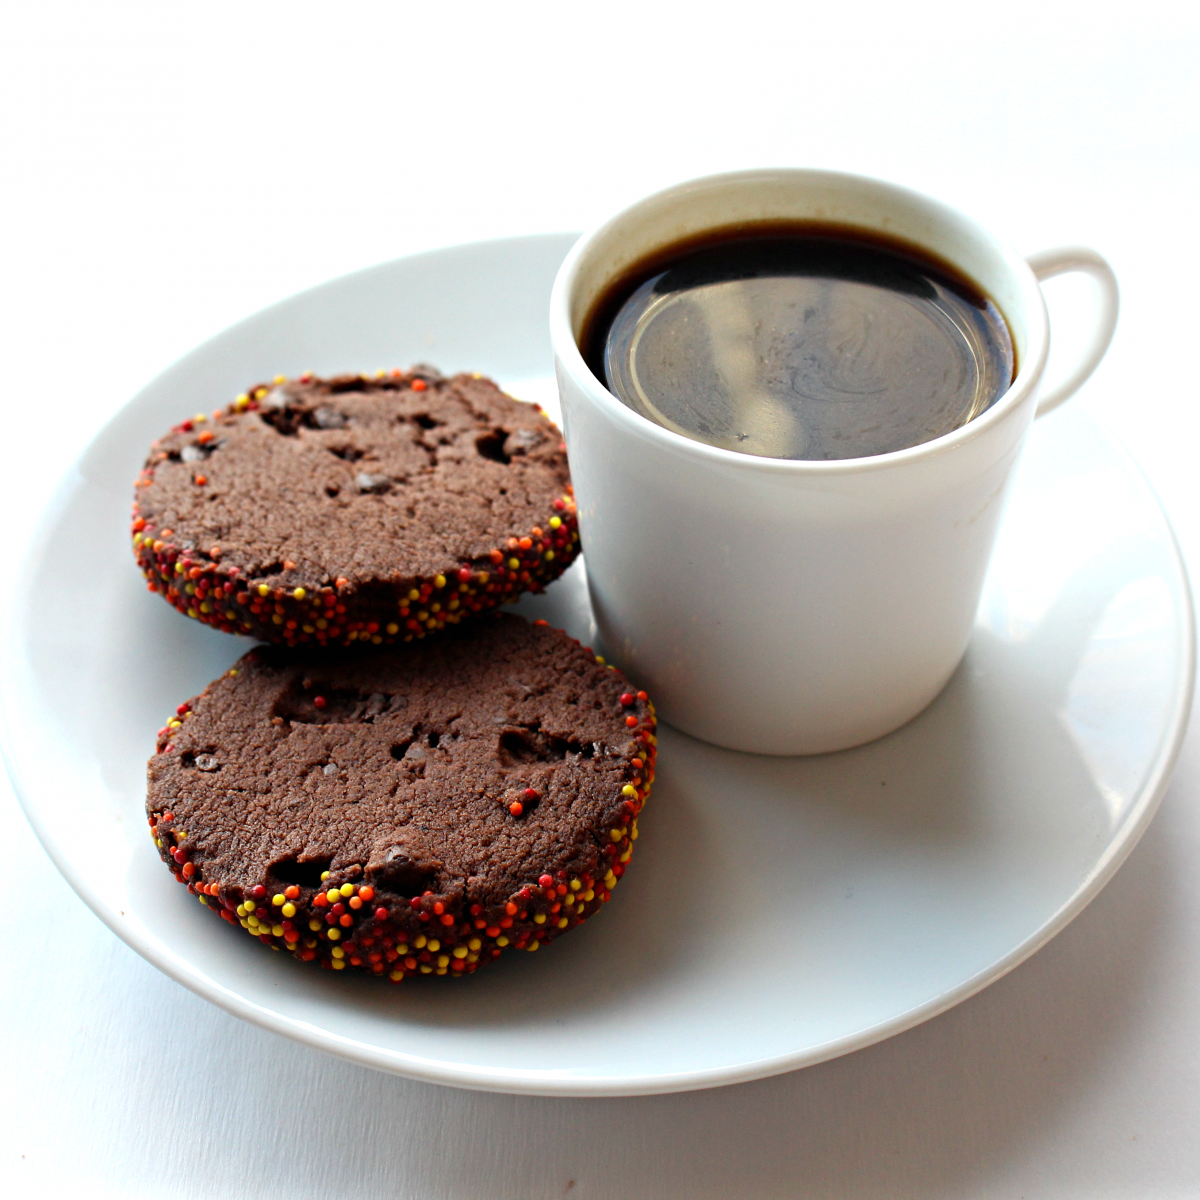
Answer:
x=392 y=809
x=330 y=511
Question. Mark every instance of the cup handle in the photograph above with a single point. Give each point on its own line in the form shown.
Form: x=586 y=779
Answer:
x=1049 y=263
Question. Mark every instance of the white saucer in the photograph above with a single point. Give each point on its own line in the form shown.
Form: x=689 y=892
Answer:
x=778 y=911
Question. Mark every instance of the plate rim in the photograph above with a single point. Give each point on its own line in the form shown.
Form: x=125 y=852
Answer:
x=540 y=1081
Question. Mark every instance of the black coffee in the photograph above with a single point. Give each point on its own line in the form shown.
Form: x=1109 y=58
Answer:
x=800 y=340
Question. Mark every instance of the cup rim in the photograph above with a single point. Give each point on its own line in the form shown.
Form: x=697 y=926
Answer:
x=1029 y=372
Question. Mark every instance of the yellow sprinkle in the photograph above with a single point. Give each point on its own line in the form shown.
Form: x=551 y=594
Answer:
x=233 y=670
x=338 y=964
x=539 y=918
x=338 y=952
x=241 y=402
x=435 y=607
x=377 y=640
x=278 y=900
x=502 y=940
x=322 y=623
x=396 y=976
x=472 y=958
x=419 y=941
x=252 y=920
x=439 y=581
x=433 y=945
x=549 y=556
x=513 y=563
x=314 y=925
x=333 y=895
x=299 y=593
x=426 y=970
x=562 y=922
x=392 y=629
x=555 y=522
x=277 y=619
x=633 y=832
x=616 y=834
x=307 y=628
x=241 y=910
x=626 y=856
x=575 y=885
x=443 y=960
x=347 y=889
x=335 y=935
x=600 y=660
x=230 y=615
x=203 y=900
x=263 y=590
x=459 y=952
x=244 y=923
x=199 y=417
x=589 y=896
x=402 y=950
x=174 y=724
x=484 y=577
x=277 y=930
x=629 y=790
x=324 y=876
x=280 y=379
x=289 y=909
x=414 y=594
x=533 y=945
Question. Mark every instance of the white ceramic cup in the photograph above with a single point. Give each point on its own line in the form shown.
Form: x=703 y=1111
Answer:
x=784 y=606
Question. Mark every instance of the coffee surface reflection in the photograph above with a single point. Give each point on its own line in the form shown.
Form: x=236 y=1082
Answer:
x=800 y=341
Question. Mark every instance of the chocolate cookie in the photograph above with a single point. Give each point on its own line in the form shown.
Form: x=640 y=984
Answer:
x=413 y=809
x=329 y=511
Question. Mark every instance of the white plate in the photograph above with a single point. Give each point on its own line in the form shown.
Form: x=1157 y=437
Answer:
x=778 y=911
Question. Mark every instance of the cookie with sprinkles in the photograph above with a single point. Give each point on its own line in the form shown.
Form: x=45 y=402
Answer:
x=332 y=511
x=410 y=810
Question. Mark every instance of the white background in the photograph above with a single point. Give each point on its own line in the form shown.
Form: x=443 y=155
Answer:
x=170 y=169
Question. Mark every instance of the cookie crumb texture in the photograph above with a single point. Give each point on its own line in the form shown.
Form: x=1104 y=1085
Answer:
x=330 y=511
x=415 y=810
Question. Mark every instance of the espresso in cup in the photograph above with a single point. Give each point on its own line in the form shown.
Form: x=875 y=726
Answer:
x=800 y=340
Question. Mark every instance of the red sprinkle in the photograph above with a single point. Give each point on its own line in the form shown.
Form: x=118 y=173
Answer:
x=627 y=699
x=201 y=480
x=516 y=808
x=643 y=696
x=258 y=892
x=419 y=385
x=381 y=913
x=319 y=702
x=631 y=722
x=546 y=881
x=531 y=794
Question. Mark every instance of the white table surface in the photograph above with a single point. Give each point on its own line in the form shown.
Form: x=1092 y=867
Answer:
x=169 y=169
